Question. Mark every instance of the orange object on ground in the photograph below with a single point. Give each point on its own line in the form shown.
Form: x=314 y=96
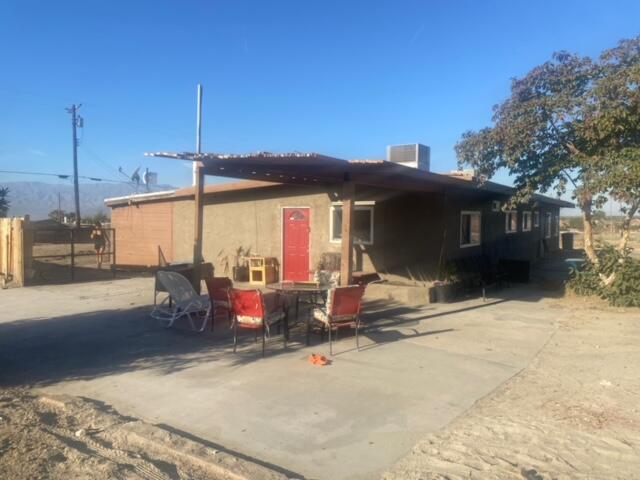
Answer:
x=319 y=360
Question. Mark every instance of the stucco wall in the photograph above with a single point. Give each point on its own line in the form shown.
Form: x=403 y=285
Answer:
x=408 y=236
x=253 y=221
x=404 y=227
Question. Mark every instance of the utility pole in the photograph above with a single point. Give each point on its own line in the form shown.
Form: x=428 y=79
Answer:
x=76 y=121
x=59 y=209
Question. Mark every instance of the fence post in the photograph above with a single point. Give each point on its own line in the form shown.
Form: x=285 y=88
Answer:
x=73 y=260
x=113 y=247
x=18 y=251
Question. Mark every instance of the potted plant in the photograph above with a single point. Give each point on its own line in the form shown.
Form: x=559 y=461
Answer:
x=241 y=269
x=327 y=270
x=223 y=261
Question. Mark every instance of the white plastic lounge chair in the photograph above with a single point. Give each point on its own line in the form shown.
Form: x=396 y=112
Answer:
x=183 y=301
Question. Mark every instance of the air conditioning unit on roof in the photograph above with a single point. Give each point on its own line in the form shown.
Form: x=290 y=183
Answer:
x=414 y=155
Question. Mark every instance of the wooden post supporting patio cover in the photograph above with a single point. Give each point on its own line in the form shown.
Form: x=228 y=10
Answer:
x=346 y=257
x=197 y=235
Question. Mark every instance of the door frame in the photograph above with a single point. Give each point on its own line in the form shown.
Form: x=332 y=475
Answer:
x=282 y=209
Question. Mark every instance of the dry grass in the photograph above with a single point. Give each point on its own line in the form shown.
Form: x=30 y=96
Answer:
x=607 y=237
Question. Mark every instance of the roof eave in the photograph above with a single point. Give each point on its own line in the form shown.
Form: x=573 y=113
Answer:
x=138 y=197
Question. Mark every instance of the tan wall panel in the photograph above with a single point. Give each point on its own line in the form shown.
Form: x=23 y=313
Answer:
x=140 y=230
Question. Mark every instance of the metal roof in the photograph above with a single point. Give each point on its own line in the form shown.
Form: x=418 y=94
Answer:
x=316 y=169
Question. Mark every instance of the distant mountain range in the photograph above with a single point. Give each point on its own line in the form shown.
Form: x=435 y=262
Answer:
x=37 y=199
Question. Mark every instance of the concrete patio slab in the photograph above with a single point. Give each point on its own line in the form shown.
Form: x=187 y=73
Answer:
x=419 y=368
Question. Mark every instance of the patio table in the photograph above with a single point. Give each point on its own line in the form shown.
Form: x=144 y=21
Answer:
x=300 y=289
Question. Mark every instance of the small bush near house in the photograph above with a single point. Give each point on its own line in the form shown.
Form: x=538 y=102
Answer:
x=623 y=291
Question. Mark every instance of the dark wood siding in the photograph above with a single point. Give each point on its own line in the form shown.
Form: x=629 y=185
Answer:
x=141 y=230
x=496 y=242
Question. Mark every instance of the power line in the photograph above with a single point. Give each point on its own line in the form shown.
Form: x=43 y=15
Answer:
x=64 y=176
x=107 y=166
x=98 y=160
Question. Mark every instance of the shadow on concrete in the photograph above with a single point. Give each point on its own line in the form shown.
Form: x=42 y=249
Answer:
x=381 y=338
x=375 y=313
x=387 y=321
x=44 y=351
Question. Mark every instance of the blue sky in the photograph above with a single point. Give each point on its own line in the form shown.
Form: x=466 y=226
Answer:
x=344 y=78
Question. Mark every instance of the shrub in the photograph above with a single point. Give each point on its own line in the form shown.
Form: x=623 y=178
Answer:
x=574 y=223
x=624 y=291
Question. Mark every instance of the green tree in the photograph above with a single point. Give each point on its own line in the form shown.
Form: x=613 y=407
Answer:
x=573 y=121
x=57 y=215
x=4 y=201
x=612 y=124
x=599 y=216
x=98 y=217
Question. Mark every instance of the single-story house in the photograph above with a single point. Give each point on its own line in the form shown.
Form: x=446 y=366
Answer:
x=407 y=221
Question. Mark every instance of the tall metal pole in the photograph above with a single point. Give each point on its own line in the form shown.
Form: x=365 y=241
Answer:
x=198 y=133
x=76 y=191
x=198 y=182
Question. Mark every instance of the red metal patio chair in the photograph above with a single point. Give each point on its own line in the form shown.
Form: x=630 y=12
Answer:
x=341 y=310
x=249 y=311
x=218 y=288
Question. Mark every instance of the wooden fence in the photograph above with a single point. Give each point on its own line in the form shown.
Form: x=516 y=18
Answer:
x=12 y=252
x=41 y=256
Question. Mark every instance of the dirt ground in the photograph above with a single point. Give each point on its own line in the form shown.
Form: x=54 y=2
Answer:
x=52 y=264
x=573 y=413
x=63 y=437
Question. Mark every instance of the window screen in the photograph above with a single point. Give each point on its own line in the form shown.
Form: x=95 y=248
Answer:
x=362 y=224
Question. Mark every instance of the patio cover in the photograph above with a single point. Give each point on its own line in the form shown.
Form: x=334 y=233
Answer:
x=314 y=169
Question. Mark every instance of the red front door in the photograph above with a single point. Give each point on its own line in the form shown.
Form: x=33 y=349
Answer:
x=296 y=244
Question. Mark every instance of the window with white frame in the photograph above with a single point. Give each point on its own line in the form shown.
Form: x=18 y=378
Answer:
x=470 y=229
x=547 y=225
x=511 y=221
x=555 y=225
x=526 y=221
x=495 y=205
x=362 y=225
x=536 y=219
